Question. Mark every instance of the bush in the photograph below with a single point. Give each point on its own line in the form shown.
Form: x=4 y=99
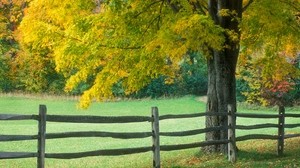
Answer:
x=241 y=87
x=5 y=80
x=191 y=79
x=194 y=76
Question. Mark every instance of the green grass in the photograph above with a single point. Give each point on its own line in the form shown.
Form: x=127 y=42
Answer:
x=258 y=153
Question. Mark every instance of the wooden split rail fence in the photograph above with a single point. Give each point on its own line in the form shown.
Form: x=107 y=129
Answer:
x=43 y=118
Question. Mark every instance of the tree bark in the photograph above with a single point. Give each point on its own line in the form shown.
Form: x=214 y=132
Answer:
x=221 y=70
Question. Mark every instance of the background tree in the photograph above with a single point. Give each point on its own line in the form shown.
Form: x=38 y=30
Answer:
x=133 y=42
x=271 y=61
x=271 y=79
x=11 y=14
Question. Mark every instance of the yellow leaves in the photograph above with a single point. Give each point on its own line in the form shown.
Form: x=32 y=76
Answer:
x=233 y=36
x=177 y=53
x=85 y=100
x=122 y=73
x=74 y=80
x=169 y=80
x=186 y=23
x=290 y=50
x=161 y=52
x=134 y=5
x=224 y=12
x=194 y=32
x=262 y=25
x=153 y=45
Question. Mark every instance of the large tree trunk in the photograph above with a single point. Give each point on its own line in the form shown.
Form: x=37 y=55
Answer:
x=221 y=71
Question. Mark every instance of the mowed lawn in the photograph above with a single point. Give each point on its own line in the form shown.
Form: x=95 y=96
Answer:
x=254 y=153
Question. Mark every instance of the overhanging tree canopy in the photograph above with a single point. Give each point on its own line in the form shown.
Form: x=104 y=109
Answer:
x=135 y=41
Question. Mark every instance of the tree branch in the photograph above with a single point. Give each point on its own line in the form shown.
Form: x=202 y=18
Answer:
x=173 y=6
x=148 y=26
x=198 y=6
x=159 y=16
x=148 y=7
x=104 y=46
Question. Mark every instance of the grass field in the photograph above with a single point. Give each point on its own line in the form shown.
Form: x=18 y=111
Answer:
x=256 y=153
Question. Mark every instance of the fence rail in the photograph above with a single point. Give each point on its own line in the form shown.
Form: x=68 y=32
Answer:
x=18 y=117
x=258 y=126
x=172 y=116
x=43 y=118
x=97 y=119
x=108 y=152
x=15 y=155
x=118 y=135
x=17 y=137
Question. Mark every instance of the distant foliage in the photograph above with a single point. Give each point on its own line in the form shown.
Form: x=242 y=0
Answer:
x=11 y=14
x=270 y=80
x=193 y=75
x=5 y=78
x=190 y=79
x=270 y=46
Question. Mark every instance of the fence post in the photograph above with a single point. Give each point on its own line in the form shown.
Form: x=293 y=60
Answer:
x=231 y=134
x=41 y=136
x=155 y=137
x=280 y=144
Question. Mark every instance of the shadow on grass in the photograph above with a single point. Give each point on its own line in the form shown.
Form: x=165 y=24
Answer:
x=252 y=154
x=255 y=156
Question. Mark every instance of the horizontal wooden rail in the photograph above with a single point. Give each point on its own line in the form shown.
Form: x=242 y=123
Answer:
x=17 y=137
x=256 y=136
x=292 y=115
x=258 y=126
x=191 y=145
x=249 y=115
x=192 y=132
x=108 y=152
x=15 y=155
x=176 y=116
x=120 y=135
x=18 y=117
x=287 y=136
x=97 y=119
x=291 y=125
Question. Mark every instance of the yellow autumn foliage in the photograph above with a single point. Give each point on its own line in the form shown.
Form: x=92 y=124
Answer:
x=135 y=41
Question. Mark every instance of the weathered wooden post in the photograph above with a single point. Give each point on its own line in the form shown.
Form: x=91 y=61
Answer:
x=41 y=136
x=155 y=137
x=280 y=144
x=231 y=135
